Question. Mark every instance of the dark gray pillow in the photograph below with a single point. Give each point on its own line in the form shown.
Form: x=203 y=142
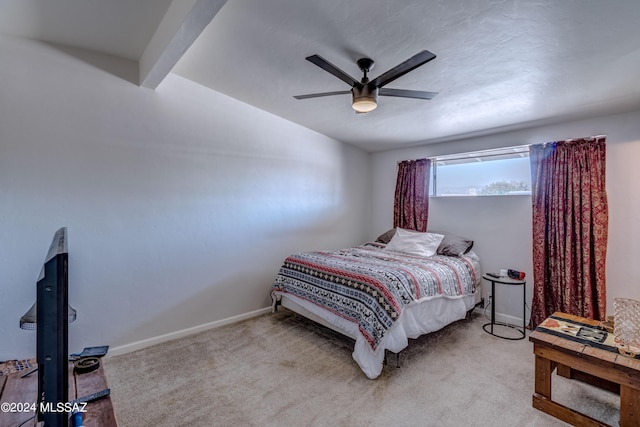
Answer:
x=452 y=244
x=386 y=236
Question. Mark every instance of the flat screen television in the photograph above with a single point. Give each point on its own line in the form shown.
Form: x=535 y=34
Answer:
x=52 y=326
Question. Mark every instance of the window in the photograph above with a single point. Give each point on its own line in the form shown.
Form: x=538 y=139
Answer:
x=503 y=171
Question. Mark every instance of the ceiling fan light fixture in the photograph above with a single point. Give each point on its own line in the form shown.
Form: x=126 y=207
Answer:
x=364 y=100
x=364 y=104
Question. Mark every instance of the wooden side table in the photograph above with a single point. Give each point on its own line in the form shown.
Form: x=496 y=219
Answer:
x=506 y=281
x=22 y=390
x=566 y=343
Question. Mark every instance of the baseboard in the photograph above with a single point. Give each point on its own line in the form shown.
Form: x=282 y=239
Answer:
x=138 y=345
x=500 y=317
x=509 y=320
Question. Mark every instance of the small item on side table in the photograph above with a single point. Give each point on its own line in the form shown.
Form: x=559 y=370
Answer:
x=77 y=419
x=497 y=276
x=95 y=351
x=93 y=396
x=516 y=275
x=627 y=326
x=91 y=352
x=608 y=325
x=86 y=364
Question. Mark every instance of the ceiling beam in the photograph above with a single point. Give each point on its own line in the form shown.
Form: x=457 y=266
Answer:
x=180 y=27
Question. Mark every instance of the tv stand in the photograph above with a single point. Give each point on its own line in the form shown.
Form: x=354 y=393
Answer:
x=18 y=388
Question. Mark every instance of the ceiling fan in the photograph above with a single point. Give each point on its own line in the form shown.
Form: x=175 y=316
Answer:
x=364 y=92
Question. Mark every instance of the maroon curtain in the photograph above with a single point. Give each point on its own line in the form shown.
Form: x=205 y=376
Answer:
x=411 y=204
x=570 y=226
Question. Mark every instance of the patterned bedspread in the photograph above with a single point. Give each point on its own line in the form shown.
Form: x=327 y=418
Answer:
x=371 y=286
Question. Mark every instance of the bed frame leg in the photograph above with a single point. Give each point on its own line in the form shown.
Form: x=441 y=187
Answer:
x=479 y=304
x=386 y=353
x=276 y=303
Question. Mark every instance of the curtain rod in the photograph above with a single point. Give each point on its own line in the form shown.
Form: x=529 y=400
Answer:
x=518 y=146
x=491 y=152
x=585 y=137
x=594 y=137
x=413 y=160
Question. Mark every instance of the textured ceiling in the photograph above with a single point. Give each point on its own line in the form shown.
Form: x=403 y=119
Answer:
x=500 y=64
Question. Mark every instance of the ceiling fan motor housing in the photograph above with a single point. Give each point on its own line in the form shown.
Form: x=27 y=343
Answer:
x=364 y=98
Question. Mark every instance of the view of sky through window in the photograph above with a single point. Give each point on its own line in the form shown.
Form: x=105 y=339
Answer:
x=486 y=177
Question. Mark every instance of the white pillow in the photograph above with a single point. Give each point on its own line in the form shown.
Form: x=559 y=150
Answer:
x=414 y=242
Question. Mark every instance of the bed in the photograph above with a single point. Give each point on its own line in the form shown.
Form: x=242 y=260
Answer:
x=403 y=285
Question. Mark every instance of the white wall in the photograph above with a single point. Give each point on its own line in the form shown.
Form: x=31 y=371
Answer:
x=501 y=226
x=180 y=203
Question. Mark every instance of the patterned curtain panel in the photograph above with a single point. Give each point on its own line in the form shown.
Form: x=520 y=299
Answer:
x=411 y=204
x=570 y=226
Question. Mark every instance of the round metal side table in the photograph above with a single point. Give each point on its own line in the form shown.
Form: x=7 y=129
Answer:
x=490 y=325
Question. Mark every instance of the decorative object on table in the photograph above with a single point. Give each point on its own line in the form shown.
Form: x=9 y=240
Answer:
x=627 y=326
x=608 y=324
x=90 y=352
x=95 y=351
x=515 y=274
x=86 y=364
x=10 y=366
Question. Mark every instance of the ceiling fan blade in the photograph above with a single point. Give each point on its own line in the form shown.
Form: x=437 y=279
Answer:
x=403 y=93
x=330 y=68
x=400 y=70
x=318 y=95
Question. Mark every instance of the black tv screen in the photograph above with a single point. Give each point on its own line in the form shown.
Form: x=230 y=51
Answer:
x=52 y=333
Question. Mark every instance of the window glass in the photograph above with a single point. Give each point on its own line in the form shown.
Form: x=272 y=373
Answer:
x=504 y=171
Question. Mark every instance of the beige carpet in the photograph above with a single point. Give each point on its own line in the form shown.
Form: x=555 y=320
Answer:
x=282 y=370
